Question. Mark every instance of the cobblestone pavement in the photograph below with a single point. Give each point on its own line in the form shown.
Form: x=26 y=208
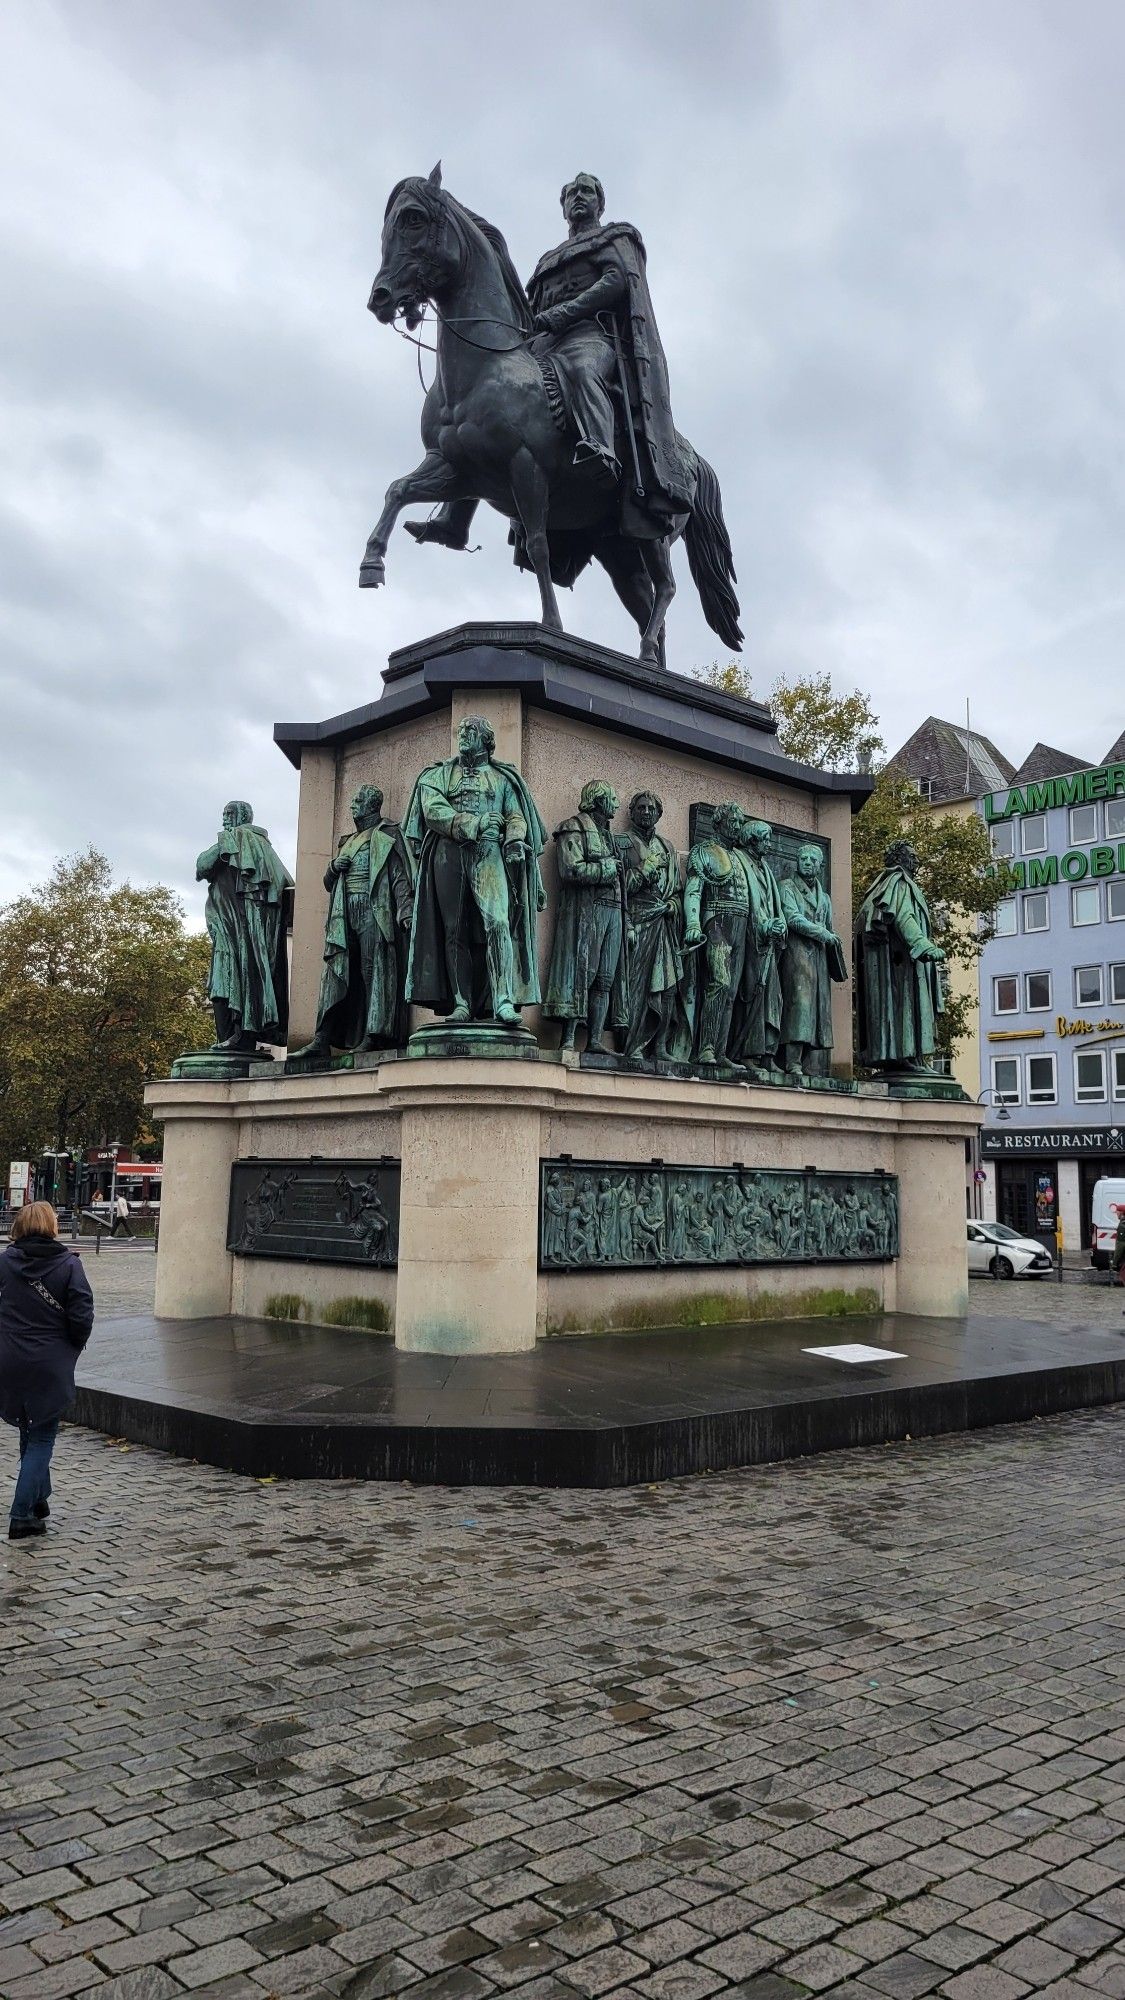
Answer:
x=1044 y=1299
x=122 y=1280
x=850 y=1725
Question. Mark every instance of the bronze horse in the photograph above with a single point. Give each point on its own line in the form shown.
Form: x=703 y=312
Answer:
x=491 y=431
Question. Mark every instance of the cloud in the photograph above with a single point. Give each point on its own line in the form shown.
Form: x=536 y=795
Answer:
x=884 y=247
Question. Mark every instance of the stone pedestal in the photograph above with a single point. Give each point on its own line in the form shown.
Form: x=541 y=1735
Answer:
x=470 y=1135
x=469 y=1125
x=194 y=1269
x=467 y=1277
x=563 y=711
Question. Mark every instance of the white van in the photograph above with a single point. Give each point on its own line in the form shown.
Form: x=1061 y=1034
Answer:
x=1108 y=1199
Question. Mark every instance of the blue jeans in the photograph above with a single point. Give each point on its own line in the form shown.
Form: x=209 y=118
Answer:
x=33 y=1487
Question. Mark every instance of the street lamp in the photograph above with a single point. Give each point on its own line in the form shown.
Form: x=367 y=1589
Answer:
x=1003 y=1116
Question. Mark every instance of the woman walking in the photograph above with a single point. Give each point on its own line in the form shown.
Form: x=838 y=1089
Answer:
x=46 y=1312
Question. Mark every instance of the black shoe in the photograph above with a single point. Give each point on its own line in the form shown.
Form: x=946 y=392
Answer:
x=18 y=1531
x=42 y=1509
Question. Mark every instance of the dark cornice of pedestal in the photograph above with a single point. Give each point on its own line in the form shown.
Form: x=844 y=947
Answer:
x=588 y=683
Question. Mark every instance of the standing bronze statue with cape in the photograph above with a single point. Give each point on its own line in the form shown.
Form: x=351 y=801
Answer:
x=478 y=836
x=247 y=886
x=899 y=986
x=362 y=1003
x=554 y=408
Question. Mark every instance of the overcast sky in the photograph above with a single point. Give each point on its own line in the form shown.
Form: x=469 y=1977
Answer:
x=885 y=249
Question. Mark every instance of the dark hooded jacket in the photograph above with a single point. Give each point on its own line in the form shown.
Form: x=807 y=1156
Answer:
x=46 y=1312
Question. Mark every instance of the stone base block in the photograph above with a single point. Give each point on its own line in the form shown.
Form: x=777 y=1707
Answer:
x=471 y=1136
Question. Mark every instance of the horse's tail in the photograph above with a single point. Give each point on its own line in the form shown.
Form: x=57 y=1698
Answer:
x=711 y=558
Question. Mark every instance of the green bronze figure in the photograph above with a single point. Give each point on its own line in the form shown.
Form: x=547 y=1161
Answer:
x=716 y=908
x=898 y=970
x=813 y=958
x=587 y=971
x=595 y=1215
x=758 y=1022
x=249 y=983
x=371 y=895
x=657 y=1025
x=478 y=837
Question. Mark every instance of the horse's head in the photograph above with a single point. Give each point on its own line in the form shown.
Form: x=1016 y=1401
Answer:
x=421 y=250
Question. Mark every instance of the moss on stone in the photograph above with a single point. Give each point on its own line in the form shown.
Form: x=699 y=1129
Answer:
x=721 y=1309
x=284 y=1305
x=370 y=1313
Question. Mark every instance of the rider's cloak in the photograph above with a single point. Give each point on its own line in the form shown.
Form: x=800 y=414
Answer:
x=666 y=479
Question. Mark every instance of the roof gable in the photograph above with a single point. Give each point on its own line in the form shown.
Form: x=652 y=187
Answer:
x=1043 y=762
x=942 y=756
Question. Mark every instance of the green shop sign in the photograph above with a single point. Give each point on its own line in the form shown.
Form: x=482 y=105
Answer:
x=1079 y=789
x=1043 y=870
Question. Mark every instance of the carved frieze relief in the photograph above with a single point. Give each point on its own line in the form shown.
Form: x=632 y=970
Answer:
x=595 y=1215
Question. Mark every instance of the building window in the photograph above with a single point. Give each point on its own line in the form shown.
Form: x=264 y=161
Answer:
x=1004 y=839
x=1119 y=1074
x=1086 y=905
x=1083 y=825
x=1037 y=991
x=1036 y=912
x=1033 y=833
x=1117 y=982
x=1089 y=1076
x=1115 y=899
x=1005 y=1079
x=1088 y=985
x=1006 y=994
x=1115 y=819
x=1041 y=1085
x=1004 y=920
x=926 y=788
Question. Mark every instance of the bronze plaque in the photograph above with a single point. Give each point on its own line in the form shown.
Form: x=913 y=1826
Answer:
x=316 y=1211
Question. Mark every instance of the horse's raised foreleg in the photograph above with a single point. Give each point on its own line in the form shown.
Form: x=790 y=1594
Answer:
x=530 y=493
x=658 y=563
x=434 y=479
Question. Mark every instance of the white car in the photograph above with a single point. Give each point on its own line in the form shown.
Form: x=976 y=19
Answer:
x=995 y=1251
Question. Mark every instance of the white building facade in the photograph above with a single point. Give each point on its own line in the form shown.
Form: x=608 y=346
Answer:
x=1052 y=1003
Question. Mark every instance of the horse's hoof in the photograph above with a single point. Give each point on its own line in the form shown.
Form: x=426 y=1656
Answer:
x=371 y=575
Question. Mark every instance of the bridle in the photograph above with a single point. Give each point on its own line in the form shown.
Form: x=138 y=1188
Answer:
x=436 y=215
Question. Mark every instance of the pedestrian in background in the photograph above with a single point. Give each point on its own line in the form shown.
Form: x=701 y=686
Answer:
x=46 y=1312
x=1118 y=1254
x=121 y=1216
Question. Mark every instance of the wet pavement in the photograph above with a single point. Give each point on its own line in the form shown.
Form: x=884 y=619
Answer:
x=850 y=1725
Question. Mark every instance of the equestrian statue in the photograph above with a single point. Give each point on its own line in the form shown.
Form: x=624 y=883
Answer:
x=551 y=404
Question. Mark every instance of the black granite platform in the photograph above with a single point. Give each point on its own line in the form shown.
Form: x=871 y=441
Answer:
x=256 y=1397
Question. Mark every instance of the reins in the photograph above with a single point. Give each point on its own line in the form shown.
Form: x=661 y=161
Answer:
x=467 y=319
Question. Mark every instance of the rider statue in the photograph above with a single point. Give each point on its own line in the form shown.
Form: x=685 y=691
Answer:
x=607 y=378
